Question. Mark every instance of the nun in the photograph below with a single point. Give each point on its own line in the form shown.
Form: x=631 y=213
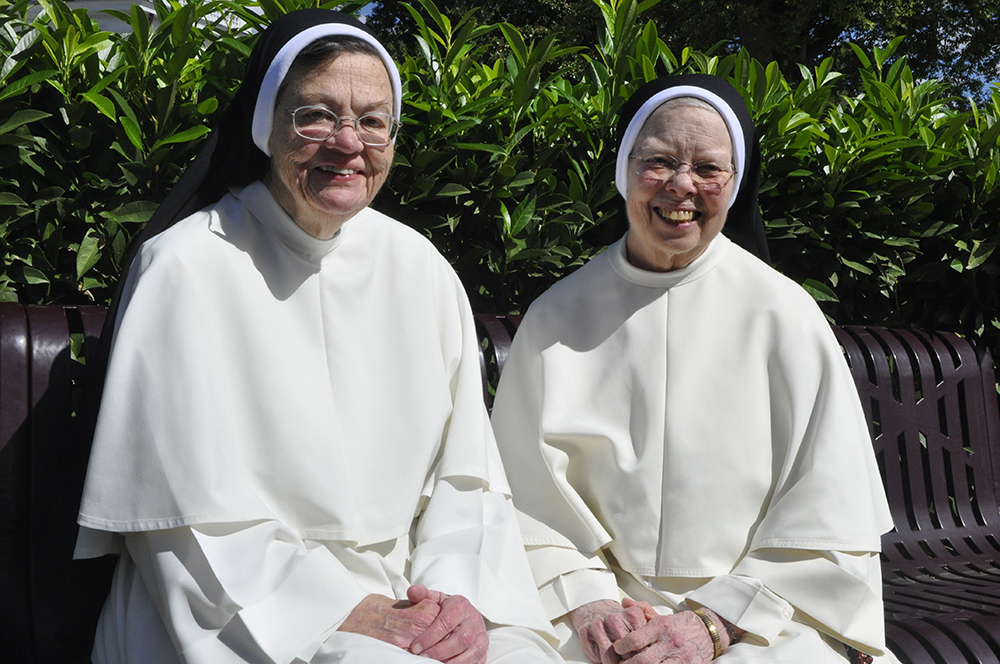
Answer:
x=292 y=457
x=682 y=435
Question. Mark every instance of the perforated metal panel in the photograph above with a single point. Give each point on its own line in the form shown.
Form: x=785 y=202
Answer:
x=931 y=403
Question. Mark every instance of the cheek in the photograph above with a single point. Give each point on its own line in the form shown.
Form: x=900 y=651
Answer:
x=637 y=204
x=380 y=164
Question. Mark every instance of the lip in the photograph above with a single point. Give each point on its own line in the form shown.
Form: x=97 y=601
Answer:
x=337 y=169
x=334 y=173
x=680 y=216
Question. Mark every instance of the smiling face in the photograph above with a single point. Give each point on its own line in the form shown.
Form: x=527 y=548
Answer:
x=672 y=223
x=322 y=184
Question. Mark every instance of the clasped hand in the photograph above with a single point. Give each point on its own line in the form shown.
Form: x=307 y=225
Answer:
x=633 y=631
x=439 y=626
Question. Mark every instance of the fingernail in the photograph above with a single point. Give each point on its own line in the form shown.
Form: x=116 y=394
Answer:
x=416 y=649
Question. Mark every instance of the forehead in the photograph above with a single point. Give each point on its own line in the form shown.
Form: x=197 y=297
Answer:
x=346 y=79
x=686 y=131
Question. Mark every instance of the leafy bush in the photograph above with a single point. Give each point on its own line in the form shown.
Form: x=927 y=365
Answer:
x=883 y=204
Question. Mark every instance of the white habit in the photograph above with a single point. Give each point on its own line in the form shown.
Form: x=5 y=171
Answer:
x=288 y=425
x=695 y=438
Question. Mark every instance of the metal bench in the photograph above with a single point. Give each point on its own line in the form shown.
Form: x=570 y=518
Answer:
x=930 y=400
x=931 y=404
x=48 y=603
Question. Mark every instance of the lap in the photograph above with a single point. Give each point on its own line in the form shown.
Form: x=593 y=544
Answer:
x=508 y=645
x=798 y=643
x=131 y=632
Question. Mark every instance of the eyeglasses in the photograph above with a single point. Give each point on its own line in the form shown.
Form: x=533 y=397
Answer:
x=708 y=177
x=316 y=123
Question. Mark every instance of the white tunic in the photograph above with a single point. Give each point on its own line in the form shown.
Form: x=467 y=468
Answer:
x=695 y=437
x=289 y=425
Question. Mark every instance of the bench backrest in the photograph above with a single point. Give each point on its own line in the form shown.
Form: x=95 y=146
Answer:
x=48 y=603
x=931 y=403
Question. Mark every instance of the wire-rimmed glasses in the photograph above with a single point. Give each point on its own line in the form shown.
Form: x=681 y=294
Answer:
x=707 y=176
x=318 y=123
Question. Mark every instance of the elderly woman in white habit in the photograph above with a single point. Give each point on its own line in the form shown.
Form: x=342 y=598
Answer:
x=680 y=429
x=292 y=457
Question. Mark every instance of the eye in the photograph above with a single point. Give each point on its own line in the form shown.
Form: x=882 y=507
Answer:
x=315 y=115
x=708 y=170
x=663 y=162
x=374 y=121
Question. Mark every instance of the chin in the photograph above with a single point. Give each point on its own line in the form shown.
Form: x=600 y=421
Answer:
x=341 y=205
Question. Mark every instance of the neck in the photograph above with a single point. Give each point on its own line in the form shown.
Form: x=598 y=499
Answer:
x=321 y=227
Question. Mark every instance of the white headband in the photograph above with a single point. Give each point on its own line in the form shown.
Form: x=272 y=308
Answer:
x=263 y=112
x=657 y=100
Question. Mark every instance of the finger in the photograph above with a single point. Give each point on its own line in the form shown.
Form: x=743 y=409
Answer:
x=589 y=646
x=595 y=642
x=635 y=618
x=645 y=607
x=455 y=611
x=605 y=644
x=417 y=593
x=474 y=654
x=466 y=636
x=637 y=640
x=616 y=625
x=609 y=656
x=663 y=653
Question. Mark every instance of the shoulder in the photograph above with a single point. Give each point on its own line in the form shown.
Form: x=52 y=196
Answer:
x=372 y=224
x=386 y=239
x=753 y=287
x=762 y=299
x=585 y=292
x=744 y=272
x=191 y=236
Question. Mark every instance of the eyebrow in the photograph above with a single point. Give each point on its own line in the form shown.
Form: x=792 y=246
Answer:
x=377 y=105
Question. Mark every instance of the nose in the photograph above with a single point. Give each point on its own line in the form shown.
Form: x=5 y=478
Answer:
x=681 y=183
x=345 y=137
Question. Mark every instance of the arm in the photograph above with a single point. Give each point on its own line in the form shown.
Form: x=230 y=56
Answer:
x=257 y=590
x=691 y=637
x=836 y=586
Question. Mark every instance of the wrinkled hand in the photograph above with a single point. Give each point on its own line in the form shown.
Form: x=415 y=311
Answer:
x=391 y=621
x=681 y=638
x=458 y=633
x=600 y=624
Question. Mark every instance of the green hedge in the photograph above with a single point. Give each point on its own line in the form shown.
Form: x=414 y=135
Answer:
x=883 y=204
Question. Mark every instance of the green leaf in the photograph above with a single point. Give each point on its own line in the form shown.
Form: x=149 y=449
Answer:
x=7 y=198
x=103 y=104
x=857 y=267
x=185 y=136
x=32 y=275
x=483 y=147
x=452 y=189
x=21 y=118
x=820 y=291
x=865 y=62
x=27 y=81
x=981 y=251
x=132 y=131
x=88 y=254
x=135 y=212
x=523 y=215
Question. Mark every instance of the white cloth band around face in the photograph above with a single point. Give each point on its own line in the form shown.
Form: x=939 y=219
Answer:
x=263 y=113
x=657 y=100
